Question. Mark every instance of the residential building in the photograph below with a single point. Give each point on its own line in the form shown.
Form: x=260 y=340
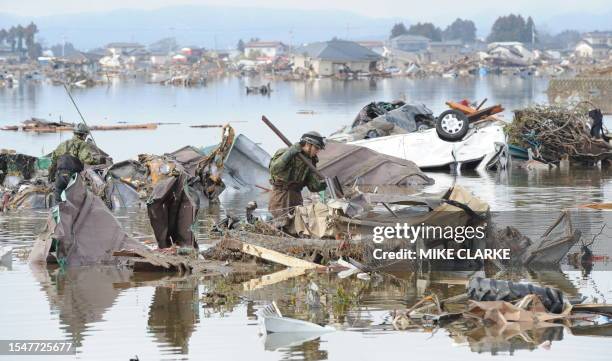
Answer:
x=334 y=57
x=410 y=43
x=123 y=48
x=267 y=49
x=595 y=45
x=446 y=51
x=599 y=38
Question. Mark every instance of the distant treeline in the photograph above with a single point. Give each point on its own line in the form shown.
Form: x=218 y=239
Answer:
x=506 y=28
x=18 y=36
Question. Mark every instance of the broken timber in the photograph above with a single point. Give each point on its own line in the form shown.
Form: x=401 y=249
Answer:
x=277 y=257
x=150 y=261
x=319 y=251
x=270 y=279
x=147 y=261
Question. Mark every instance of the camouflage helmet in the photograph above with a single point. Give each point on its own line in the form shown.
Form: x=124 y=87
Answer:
x=81 y=129
x=314 y=138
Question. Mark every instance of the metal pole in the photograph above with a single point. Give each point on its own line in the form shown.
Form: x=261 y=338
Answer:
x=288 y=143
x=78 y=111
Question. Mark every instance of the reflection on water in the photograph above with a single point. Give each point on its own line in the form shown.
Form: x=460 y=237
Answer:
x=80 y=296
x=176 y=316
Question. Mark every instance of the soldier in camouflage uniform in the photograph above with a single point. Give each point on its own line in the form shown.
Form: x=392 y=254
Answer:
x=289 y=174
x=70 y=157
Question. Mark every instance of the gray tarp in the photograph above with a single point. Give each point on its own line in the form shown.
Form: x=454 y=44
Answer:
x=351 y=163
x=86 y=231
x=405 y=116
x=383 y=119
x=173 y=208
x=246 y=165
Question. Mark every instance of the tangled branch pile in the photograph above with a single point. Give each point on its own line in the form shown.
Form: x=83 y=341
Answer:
x=554 y=131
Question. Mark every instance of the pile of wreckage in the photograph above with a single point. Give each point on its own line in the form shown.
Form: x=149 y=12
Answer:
x=487 y=315
x=472 y=136
x=500 y=58
x=333 y=233
x=552 y=133
x=131 y=183
x=367 y=190
x=72 y=78
x=180 y=75
x=494 y=315
x=464 y=136
x=22 y=181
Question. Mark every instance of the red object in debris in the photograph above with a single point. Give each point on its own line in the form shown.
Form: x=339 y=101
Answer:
x=465 y=102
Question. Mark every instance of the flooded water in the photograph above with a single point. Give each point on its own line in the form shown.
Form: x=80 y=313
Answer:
x=113 y=314
x=334 y=103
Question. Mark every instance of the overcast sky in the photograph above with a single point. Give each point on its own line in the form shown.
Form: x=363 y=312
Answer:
x=434 y=10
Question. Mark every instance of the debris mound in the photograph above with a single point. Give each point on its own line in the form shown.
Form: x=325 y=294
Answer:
x=556 y=131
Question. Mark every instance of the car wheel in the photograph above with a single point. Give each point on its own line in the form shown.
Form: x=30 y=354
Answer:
x=422 y=126
x=372 y=134
x=452 y=125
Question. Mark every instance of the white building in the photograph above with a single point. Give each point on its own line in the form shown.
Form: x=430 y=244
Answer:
x=595 y=45
x=123 y=48
x=268 y=49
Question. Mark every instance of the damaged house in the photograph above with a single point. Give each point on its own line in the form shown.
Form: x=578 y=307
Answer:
x=595 y=45
x=268 y=49
x=510 y=53
x=334 y=57
x=446 y=51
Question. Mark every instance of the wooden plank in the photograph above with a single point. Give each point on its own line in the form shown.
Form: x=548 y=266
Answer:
x=460 y=107
x=273 y=278
x=126 y=253
x=277 y=257
x=600 y=308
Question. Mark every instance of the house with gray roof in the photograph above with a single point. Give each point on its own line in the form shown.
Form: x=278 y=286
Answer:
x=334 y=57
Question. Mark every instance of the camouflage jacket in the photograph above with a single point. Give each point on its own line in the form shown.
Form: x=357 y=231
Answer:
x=77 y=148
x=285 y=167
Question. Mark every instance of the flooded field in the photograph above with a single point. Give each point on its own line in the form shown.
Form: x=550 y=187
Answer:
x=114 y=314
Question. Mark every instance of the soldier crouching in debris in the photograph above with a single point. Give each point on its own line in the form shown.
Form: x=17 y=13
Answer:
x=70 y=157
x=289 y=175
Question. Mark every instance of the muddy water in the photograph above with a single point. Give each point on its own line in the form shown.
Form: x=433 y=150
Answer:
x=113 y=314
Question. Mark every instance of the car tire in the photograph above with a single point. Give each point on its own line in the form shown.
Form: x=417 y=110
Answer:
x=452 y=125
x=373 y=133
x=422 y=126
